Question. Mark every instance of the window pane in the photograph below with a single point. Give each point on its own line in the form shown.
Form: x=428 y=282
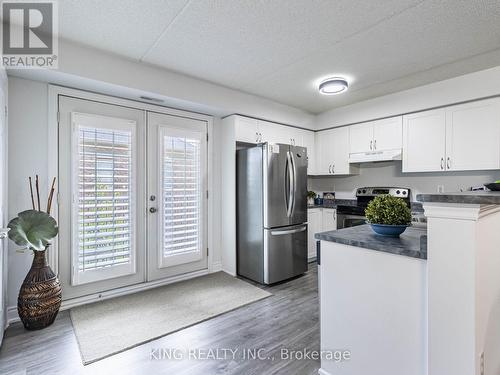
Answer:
x=104 y=198
x=181 y=195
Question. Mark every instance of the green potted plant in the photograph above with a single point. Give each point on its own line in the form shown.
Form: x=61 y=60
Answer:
x=388 y=215
x=40 y=295
x=310 y=197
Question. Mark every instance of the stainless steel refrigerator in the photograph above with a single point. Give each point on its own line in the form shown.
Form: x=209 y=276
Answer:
x=271 y=212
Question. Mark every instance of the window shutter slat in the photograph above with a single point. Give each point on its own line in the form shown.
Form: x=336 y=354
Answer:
x=104 y=196
x=182 y=185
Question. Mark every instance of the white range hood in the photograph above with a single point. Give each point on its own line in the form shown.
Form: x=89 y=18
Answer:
x=383 y=155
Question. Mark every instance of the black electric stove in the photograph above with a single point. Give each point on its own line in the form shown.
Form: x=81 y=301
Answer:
x=352 y=215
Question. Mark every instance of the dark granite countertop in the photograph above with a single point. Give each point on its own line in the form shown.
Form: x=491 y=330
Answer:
x=345 y=202
x=412 y=243
x=466 y=197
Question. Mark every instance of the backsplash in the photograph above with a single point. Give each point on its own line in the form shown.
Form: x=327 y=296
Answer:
x=389 y=174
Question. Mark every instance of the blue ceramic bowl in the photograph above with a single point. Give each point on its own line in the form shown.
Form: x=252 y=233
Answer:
x=388 y=230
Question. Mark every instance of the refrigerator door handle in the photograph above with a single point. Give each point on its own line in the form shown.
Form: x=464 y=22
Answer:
x=288 y=231
x=289 y=205
x=294 y=174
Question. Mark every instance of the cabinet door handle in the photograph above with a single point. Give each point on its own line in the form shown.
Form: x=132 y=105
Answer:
x=330 y=169
x=371 y=145
x=442 y=163
x=257 y=137
x=333 y=168
x=375 y=144
x=448 y=163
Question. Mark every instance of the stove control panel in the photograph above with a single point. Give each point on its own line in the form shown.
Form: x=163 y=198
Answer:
x=375 y=191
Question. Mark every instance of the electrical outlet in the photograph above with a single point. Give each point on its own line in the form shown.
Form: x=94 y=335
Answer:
x=482 y=364
x=440 y=188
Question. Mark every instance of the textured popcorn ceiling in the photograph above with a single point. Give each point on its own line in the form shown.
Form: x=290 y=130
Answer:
x=279 y=49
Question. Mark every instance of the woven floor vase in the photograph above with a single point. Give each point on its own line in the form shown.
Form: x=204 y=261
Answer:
x=40 y=295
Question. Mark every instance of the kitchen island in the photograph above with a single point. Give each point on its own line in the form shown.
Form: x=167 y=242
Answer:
x=373 y=301
x=463 y=282
x=426 y=304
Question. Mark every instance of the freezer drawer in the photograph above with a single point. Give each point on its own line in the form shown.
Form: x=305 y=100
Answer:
x=285 y=253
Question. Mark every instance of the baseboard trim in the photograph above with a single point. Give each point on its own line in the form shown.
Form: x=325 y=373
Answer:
x=13 y=317
x=228 y=272
x=216 y=267
x=323 y=372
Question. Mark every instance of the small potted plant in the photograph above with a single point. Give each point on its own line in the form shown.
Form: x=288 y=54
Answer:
x=40 y=295
x=388 y=215
x=310 y=197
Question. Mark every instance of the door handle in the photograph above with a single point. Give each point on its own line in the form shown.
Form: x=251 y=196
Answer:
x=375 y=144
x=289 y=231
x=294 y=175
x=371 y=145
x=330 y=169
x=152 y=210
x=256 y=137
x=448 y=163
x=333 y=168
x=260 y=137
x=442 y=163
x=290 y=184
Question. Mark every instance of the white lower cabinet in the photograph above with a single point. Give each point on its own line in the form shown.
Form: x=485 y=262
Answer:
x=319 y=220
x=329 y=219
x=314 y=226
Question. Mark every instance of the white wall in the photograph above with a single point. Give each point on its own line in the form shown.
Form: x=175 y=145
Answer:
x=99 y=71
x=467 y=87
x=27 y=156
x=389 y=174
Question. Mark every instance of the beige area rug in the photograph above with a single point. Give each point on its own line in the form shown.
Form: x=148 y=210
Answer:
x=112 y=326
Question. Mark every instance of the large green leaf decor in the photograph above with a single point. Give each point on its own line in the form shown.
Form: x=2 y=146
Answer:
x=33 y=229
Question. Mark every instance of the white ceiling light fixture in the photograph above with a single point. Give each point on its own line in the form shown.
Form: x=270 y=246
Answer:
x=333 y=86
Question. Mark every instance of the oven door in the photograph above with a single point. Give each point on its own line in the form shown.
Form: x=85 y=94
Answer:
x=347 y=221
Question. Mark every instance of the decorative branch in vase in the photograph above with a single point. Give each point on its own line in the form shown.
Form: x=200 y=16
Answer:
x=40 y=295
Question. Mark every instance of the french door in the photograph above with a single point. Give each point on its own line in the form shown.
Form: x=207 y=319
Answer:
x=177 y=186
x=131 y=207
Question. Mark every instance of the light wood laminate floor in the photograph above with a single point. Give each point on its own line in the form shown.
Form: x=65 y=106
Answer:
x=287 y=320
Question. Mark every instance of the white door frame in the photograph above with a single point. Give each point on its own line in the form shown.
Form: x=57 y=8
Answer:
x=54 y=92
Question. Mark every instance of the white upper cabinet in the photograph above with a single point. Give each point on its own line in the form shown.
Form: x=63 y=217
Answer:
x=308 y=142
x=376 y=135
x=246 y=129
x=456 y=138
x=332 y=152
x=361 y=138
x=250 y=130
x=424 y=135
x=473 y=136
x=388 y=133
x=274 y=133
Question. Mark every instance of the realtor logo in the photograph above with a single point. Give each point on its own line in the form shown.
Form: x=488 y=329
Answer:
x=29 y=34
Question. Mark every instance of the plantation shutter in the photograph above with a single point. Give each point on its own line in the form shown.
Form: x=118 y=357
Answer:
x=103 y=197
x=182 y=195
